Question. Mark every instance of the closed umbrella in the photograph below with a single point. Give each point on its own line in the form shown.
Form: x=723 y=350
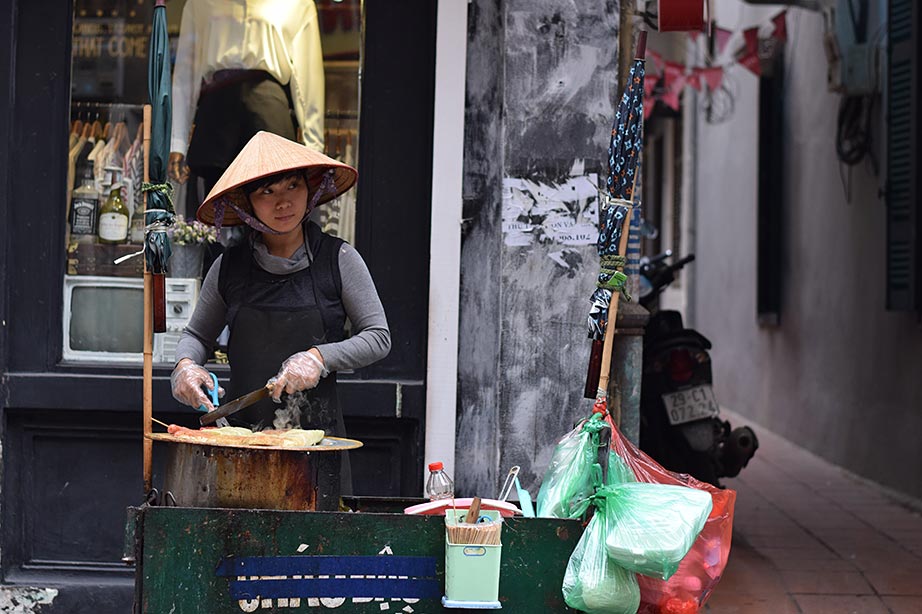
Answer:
x=614 y=221
x=159 y=213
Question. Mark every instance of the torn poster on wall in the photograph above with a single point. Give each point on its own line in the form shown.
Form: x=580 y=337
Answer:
x=536 y=212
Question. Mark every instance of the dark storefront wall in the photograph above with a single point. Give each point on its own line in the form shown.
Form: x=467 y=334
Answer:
x=70 y=432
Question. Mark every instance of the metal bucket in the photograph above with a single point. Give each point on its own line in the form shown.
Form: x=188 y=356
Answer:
x=254 y=477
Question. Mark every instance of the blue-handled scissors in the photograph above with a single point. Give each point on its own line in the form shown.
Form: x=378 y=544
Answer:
x=215 y=400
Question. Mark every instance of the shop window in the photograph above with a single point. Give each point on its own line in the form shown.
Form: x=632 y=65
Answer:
x=304 y=80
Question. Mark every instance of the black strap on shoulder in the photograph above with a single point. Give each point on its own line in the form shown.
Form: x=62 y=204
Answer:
x=325 y=252
x=234 y=259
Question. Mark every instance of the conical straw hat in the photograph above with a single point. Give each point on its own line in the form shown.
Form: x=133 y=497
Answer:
x=267 y=154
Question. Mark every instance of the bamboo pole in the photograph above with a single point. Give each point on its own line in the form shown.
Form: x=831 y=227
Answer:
x=605 y=370
x=625 y=42
x=625 y=58
x=147 y=390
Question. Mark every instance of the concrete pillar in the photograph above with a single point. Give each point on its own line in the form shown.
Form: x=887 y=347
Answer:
x=542 y=87
x=627 y=368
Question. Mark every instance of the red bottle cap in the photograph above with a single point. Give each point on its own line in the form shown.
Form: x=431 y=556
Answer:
x=435 y=466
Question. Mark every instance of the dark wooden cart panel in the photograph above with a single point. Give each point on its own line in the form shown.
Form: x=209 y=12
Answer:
x=187 y=552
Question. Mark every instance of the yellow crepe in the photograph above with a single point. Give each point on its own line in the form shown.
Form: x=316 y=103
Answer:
x=294 y=438
x=234 y=431
x=300 y=438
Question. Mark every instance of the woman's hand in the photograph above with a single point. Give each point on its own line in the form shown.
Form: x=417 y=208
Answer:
x=301 y=371
x=177 y=169
x=187 y=380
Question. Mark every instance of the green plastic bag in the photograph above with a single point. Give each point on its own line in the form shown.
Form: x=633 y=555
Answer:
x=574 y=473
x=654 y=525
x=618 y=471
x=593 y=582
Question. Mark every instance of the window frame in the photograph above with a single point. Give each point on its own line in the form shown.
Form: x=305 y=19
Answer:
x=395 y=249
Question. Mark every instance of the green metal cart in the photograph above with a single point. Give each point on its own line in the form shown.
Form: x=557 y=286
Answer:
x=374 y=559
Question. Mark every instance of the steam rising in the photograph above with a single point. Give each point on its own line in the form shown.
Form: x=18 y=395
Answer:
x=288 y=416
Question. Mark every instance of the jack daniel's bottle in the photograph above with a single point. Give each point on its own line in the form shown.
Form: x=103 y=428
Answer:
x=84 y=209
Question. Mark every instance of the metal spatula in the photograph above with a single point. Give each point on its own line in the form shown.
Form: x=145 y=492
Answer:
x=220 y=413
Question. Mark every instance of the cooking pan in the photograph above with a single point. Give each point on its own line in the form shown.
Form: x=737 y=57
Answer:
x=221 y=475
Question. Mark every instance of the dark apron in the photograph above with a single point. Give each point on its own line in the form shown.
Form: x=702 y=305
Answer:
x=272 y=317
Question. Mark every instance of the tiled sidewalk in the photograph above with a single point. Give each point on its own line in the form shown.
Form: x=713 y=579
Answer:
x=810 y=538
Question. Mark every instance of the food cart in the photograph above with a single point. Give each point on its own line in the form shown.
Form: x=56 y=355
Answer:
x=371 y=559
x=242 y=528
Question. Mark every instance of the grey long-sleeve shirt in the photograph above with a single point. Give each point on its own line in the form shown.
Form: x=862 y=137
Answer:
x=371 y=339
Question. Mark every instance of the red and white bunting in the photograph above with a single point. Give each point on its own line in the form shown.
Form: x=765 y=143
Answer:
x=658 y=62
x=723 y=37
x=713 y=76
x=671 y=99
x=780 y=31
x=676 y=76
x=751 y=61
x=751 y=37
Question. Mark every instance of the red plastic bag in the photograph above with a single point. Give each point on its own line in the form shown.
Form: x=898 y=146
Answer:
x=688 y=589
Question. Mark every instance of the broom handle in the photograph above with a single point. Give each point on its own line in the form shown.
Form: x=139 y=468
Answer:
x=147 y=389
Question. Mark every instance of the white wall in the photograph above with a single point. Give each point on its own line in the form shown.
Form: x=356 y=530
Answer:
x=445 y=244
x=840 y=375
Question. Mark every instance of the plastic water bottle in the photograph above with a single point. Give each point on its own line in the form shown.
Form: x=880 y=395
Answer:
x=439 y=485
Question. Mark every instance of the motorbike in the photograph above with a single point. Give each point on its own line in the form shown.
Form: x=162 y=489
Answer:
x=680 y=423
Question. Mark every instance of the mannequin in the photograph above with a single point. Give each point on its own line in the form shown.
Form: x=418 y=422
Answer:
x=243 y=66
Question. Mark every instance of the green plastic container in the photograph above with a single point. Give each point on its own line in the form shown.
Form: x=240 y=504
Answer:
x=471 y=570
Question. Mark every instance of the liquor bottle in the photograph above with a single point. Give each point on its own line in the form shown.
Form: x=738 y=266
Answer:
x=84 y=208
x=113 y=217
x=136 y=231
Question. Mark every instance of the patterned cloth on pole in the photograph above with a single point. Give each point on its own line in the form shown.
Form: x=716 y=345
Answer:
x=623 y=156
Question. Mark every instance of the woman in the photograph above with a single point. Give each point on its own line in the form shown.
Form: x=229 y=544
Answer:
x=285 y=293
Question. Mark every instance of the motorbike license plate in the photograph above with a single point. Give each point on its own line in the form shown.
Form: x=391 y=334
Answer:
x=690 y=404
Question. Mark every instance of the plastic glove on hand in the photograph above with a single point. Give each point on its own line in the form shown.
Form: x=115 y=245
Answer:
x=187 y=380
x=301 y=371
